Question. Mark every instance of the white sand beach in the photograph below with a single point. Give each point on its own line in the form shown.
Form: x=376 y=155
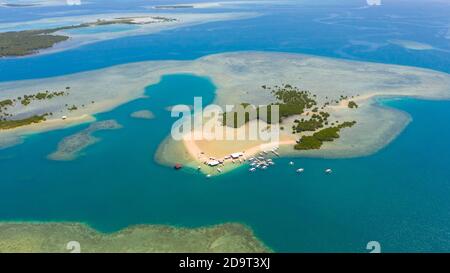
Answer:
x=240 y=75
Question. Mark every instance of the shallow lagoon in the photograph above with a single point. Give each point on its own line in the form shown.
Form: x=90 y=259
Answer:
x=397 y=196
x=101 y=29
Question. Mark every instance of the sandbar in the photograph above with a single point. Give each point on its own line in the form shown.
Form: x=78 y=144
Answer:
x=143 y=114
x=240 y=75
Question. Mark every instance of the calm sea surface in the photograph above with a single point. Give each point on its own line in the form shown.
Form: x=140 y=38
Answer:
x=398 y=196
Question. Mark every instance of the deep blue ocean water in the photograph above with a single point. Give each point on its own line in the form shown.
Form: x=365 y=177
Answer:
x=398 y=196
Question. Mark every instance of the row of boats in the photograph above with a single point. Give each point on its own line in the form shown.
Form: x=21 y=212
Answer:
x=263 y=163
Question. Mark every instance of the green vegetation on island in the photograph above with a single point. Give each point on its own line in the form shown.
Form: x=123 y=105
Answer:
x=5 y=103
x=316 y=121
x=290 y=101
x=9 y=121
x=295 y=102
x=10 y=124
x=352 y=104
x=72 y=108
x=308 y=143
x=21 y=43
x=27 y=99
x=243 y=110
x=315 y=141
x=26 y=42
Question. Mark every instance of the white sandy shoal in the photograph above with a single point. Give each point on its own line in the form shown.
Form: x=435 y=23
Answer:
x=239 y=76
x=143 y=26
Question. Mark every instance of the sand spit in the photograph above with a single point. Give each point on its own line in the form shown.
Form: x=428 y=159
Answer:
x=143 y=24
x=239 y=76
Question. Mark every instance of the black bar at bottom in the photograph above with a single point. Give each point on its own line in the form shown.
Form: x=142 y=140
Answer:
x=272 y=262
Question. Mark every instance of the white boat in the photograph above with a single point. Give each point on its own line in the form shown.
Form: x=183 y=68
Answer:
x=328 y=171
x=291 y=163
x=219 y=170
x=264 y=167
x=252 y=169
x=208 y=176
x=213 y=163
x=236 y=155
x=300 y=170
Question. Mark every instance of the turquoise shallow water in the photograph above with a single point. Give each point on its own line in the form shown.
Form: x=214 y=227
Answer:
x=398 y=196
x=101 y=29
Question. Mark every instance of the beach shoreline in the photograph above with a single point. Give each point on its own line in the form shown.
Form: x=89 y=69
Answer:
x=233 y=72
x=177 y=20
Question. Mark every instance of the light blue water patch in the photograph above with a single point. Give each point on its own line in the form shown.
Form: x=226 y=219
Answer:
x=37 y=25
x=101 y=29
x=398 y=196
x=276 y=30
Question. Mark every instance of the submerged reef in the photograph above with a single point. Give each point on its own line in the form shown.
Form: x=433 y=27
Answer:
x=68 y=237
x=70 y=147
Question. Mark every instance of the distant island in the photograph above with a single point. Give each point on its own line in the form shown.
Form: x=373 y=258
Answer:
x=27 y=42
x=174 y=7
x=190 y=6
x=18 y=5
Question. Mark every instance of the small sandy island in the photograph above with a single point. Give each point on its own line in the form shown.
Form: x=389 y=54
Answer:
x=143 y=114
x=346 y=91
